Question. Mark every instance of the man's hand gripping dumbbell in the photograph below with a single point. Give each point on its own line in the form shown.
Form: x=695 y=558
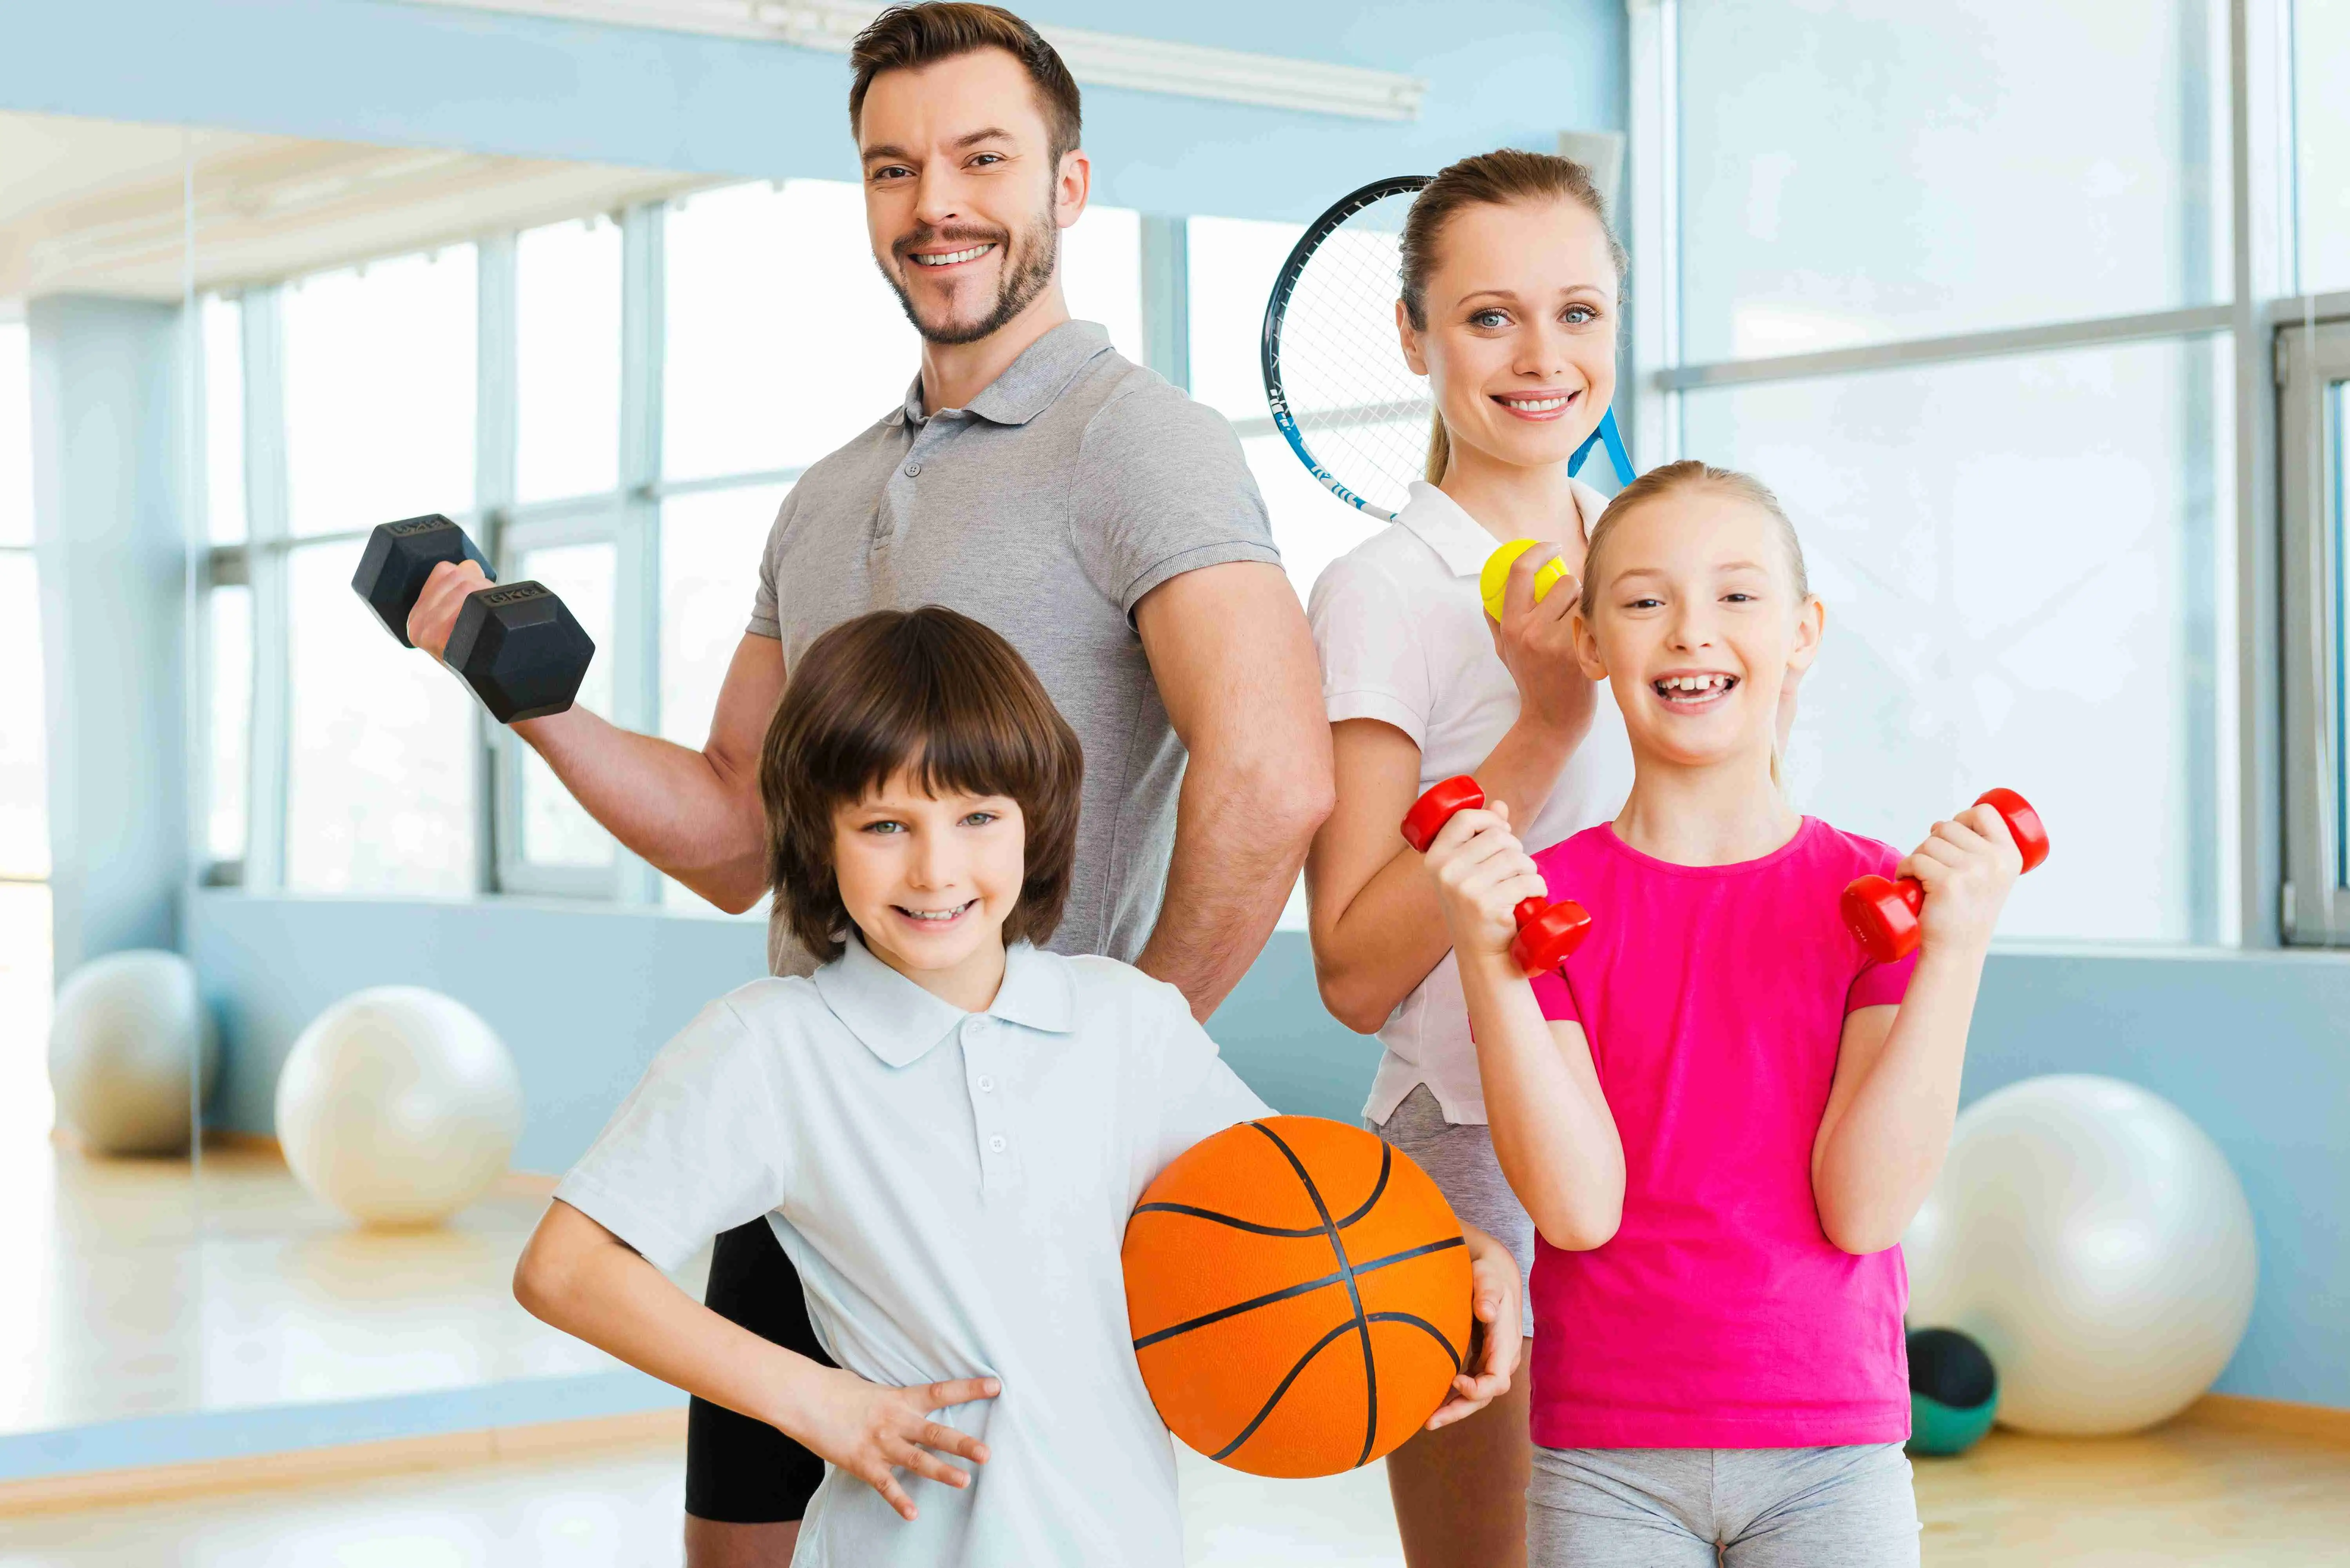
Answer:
x=517 y=646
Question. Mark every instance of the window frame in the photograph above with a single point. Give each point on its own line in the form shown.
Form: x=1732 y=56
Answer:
x=2312 y=359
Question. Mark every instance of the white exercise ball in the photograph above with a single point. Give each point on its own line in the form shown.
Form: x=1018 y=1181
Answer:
x=399 y=1106
x=132 y=1046
x=2095 y=1242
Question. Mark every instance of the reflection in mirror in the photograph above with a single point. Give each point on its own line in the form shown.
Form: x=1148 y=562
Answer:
x=289 y=342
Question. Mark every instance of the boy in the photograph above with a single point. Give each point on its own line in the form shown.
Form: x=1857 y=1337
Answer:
x=945 y=1127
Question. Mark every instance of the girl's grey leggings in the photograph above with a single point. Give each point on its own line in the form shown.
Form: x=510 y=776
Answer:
x=1742 y=1508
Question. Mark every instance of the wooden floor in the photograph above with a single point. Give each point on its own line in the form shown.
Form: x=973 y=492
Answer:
x=140 y=1291
x=2199 y=1490
x=2193 y=1492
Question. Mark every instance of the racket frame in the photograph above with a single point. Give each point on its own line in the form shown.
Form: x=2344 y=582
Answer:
x=1276 y=310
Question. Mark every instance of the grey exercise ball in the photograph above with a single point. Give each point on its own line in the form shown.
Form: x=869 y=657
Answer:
x=127 y=1028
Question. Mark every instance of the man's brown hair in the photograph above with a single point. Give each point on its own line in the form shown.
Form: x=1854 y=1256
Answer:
x=934 y=692
x=908 y=38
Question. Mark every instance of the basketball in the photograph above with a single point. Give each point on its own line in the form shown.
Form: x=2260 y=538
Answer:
x=1299 y=1296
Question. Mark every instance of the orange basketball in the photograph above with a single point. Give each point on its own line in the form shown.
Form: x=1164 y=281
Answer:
x=1299 y=1296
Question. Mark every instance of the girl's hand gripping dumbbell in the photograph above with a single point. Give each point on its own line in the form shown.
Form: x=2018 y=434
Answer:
x=1884 y=914
x=1547 y=932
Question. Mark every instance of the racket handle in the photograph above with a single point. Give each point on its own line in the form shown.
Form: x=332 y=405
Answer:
x=1883 y=914
x=1547 y=932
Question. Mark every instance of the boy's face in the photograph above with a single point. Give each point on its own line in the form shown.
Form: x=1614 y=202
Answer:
x=930 y=881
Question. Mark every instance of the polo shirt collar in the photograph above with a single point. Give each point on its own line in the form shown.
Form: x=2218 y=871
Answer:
x=901 y=1023
x=1030 y=384
x=1437 y=521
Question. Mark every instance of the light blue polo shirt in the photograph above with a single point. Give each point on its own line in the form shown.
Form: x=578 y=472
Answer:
x=953 y=1188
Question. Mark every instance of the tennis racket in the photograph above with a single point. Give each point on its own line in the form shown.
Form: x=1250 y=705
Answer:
x=1341 y=395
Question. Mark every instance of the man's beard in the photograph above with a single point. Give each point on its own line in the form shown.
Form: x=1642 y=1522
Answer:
x=1026 y=272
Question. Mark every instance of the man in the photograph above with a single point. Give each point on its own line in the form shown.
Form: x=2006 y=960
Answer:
x=1036 y=480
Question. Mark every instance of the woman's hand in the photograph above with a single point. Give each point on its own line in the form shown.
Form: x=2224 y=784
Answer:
x=873 y=1431
x=1536 y=644
x=1481 y=872
x=1497 y=1315
x=1967 y=866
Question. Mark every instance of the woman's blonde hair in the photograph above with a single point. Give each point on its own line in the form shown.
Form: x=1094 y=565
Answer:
x=1680 y=478
x=1492 y=179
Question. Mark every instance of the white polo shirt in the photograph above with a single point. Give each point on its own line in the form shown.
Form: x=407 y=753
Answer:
x=1403 y=639
x=954 y=1189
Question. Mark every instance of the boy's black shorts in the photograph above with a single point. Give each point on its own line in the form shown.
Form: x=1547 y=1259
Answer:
x=738 y=1471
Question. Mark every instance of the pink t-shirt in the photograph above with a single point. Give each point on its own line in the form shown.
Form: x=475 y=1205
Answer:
x=1718 y=1315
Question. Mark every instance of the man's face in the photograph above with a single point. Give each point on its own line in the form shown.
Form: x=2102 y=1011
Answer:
x=961 y=199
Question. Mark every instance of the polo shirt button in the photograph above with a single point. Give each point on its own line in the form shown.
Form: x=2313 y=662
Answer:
x=987 y=1085
x=996 y=1143
x=913 y=469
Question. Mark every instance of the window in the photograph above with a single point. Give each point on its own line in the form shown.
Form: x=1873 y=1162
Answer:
x=2321 y=152
x=1872 y=171
x=1101 y=274
x=2022 y=606
x=26 y=980
x=379 y=794
x=783 y=340
x=2025 y=541
x=379 y=377
x=567 y=360
x=223 y=409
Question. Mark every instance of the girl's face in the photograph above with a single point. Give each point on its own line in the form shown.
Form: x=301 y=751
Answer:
x=928 y=881
x=1695 y=624
x=1520 y=347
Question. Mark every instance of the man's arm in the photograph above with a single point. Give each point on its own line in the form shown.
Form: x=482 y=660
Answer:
x=1229 y=648
x=695 y=816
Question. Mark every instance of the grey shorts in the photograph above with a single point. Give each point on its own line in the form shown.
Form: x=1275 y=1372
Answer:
x=1762 y=1508
x=1458 y=1157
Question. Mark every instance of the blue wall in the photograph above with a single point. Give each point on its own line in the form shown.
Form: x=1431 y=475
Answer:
x=382 y=71
x=2255 y=1047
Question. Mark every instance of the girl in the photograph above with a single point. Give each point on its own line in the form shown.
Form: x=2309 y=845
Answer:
x=1723 y=1116
x=946 y=1127
x=1510 y=285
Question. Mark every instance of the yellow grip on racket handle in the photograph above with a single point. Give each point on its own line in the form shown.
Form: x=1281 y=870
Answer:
x=1496 y=574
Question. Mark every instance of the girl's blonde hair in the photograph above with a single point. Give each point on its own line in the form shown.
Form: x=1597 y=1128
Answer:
x=1677 y=479
x=1492 y=179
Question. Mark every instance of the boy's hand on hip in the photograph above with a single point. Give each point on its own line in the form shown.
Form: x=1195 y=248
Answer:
x=873 y=1431
x=1496 y=1316
x=1967 y=865
x=1481 y=872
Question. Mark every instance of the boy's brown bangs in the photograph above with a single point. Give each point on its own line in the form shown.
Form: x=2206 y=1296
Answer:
x=929 y=693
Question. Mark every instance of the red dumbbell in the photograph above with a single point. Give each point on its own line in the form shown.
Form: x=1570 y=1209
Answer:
x=1883 y=913
x=1547 y=932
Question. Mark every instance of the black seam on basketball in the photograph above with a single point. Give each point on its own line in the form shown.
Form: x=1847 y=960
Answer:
x=1387 y=1164
x=1292 y=1233
x=1435 y=1333
x=1258 y=1419
x=1325 y=1282
x=1354 y=1293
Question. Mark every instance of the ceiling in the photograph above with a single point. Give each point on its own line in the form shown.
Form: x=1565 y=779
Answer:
x=92 y=207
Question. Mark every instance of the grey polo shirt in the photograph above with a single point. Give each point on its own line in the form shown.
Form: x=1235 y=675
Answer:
x=954 y=1189
x=1073 y=485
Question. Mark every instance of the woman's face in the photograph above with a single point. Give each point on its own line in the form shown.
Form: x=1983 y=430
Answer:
x=1695 y=623
x=1520 y=347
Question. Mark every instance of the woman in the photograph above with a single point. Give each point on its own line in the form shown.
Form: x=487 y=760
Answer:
x=1510 y=283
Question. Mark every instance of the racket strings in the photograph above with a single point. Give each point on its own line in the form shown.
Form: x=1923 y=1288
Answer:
x=1358 y=406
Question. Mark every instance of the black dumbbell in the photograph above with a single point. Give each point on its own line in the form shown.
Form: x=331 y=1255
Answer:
x=516 y=646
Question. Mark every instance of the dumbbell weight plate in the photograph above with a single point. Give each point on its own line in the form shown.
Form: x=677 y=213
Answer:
x=400 y=556
x=520 y=650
